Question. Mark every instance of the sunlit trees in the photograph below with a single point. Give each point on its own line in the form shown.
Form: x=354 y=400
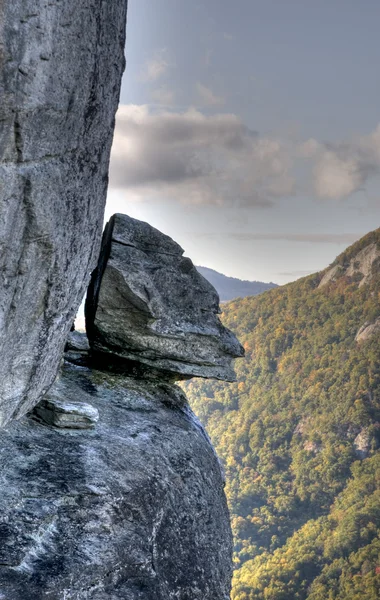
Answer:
x=304 y=499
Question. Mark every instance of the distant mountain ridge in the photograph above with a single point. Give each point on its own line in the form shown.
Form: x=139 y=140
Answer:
x=230 y=288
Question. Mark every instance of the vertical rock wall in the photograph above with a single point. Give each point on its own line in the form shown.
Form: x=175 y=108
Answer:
x=60 y=69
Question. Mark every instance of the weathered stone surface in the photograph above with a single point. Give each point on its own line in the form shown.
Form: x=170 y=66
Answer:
x=148 y=303
x=367 y=331
x=330 y=275
x=60 y=69
x=63 y=413
x=362 y=443
x=360 y=267
x=367 y=440
x=363 y=262
x=77 y=341
x=132 y=510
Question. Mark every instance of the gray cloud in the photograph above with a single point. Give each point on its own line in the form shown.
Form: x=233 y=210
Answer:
x=343 y=169
x=216 y=159
x=198 y=159
x=163 y=96
x=314 y=238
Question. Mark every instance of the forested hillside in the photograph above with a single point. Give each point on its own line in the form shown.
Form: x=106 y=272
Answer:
x=299 y=434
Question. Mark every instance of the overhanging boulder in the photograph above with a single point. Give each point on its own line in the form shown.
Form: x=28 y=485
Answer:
x=148 y=304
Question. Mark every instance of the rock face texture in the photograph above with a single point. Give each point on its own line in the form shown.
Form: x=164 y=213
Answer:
x=60 y=70
x=367 y=331
x=148 y=303
x=133 y=509
x=361 y=267
x=66 y=414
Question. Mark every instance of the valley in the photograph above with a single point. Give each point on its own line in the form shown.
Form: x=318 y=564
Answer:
x=299 y=432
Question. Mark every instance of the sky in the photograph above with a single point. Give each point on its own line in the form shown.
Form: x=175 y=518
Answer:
x=249 y=131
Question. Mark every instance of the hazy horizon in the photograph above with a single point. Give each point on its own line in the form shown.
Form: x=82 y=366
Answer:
x=250 y=132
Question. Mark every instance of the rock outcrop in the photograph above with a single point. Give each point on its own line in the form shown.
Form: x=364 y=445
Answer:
x=331 y=275
x=362 y=443
x=133 y=509
x=147 y=303
x=60 y=70
x=66 y=414
x=110 y=487
x=367 y=331
x=360 y=267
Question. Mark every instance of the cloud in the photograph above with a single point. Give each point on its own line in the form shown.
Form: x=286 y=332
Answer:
x=336 y=177
x=207 y=96
x=313 y=238
x=194 y=158
x=216 y=159
x=207 y=59
x=156 y=67
x=345 y=168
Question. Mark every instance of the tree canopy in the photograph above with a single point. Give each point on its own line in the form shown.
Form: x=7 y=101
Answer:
x=298 y=434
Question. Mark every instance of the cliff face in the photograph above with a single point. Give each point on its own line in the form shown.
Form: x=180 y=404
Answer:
x=110 y=487
x=132 y=509
x=60 y=70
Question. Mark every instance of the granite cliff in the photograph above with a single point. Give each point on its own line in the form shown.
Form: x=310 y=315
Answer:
x=131 y=508
x=169 y=310
x=110 y=487
x=60 y=71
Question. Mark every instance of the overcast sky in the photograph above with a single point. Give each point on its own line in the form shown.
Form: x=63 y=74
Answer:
x=249 y=130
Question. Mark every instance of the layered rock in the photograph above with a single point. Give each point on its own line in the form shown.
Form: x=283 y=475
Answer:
x=133 y=509
x=60 y=70
x=148 y=304
x=67 y=414
x=110 y=487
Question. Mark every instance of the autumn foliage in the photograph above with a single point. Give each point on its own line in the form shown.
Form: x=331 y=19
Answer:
x=298 y=434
